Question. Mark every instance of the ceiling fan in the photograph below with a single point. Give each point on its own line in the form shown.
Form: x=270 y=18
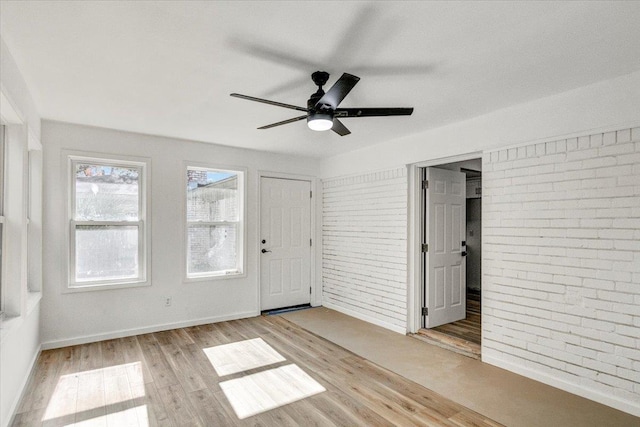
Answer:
x=322 y=112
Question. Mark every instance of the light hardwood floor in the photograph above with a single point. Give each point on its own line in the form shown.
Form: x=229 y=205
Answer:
x=168 y=379
x=463 y=336
x=469 y=328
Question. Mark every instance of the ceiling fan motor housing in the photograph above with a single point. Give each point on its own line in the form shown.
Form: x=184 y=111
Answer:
x=320 y=78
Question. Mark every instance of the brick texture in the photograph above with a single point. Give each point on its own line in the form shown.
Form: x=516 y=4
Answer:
x=364 y=235
x=561 y=260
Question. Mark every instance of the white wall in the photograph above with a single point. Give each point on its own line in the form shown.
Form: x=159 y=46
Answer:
x=86 y=316
x=561 y=261
x=364 y=237
x=597 y=366
x=20 y=329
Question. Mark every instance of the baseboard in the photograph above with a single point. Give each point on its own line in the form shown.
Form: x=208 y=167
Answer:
x=23 y=387
x=146 y=330
x=617 y=403
x=399 y=329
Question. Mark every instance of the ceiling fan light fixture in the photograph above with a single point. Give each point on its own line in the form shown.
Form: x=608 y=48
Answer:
x=320 y=121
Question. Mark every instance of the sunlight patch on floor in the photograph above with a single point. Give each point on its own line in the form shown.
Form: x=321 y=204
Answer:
x=87 y=393
x=260 y=392
x=130 y=417
x=241 y=356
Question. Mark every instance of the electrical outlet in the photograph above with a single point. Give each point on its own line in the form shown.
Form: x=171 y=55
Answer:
x=167 y=302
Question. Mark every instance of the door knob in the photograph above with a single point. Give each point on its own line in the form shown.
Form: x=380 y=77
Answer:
x=264 y=251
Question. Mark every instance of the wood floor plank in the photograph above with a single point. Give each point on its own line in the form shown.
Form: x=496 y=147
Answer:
x=183 y=369
x=119 y=401
x=154 y=409
x=179 y=337
x=292 y=330
x=178 y=406
x=203 y=336
x=375 y=401
x=132 y=353
x=90 y=404
x=468 y=328
x=356 y=409
x=338 y=414
x=42 y=382
x=439 y=406
x=306 y=414
x=70 y=359
x=276 y=417
x=166 y=379
x=160 y=369
x=91 y=356
x=196 y=356
x=112 y=352
x=228 y=332
x=63 y=403
x=208 y=408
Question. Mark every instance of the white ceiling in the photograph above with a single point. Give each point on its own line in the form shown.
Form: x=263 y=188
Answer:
x=167 y=68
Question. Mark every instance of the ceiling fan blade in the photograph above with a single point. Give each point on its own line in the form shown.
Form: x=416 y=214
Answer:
x=339 y=128
x=334 y=96
x=395 y=70
x=266 y=101
x=268 y=53
x=284 y=122
x=372 y=112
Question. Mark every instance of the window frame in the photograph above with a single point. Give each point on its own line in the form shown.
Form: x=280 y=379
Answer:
x=3 y=165
x=143 y=223
x=241 y=238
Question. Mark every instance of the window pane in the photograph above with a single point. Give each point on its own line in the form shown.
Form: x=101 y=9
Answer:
x=106 y=193
x=211 y=248
x=212 y=196
x=106 y=252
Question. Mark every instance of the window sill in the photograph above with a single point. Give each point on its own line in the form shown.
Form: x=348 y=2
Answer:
x=230 y=275
x=10 y=323
x=70 y=289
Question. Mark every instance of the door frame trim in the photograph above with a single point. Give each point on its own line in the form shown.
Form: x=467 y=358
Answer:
x=415 y=293
x=316 y=293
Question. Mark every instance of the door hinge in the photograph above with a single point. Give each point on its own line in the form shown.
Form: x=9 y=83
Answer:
x=311 y=194
x=425 y=247
x=425 y=311
x=309 y=290
x=425 y=184
x=310 y=242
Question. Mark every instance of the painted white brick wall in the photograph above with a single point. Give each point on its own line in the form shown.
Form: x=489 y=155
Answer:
x=561 y=261
x=364 y=232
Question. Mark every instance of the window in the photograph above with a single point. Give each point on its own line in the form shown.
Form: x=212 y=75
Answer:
x=215 y=225
x=108 y=234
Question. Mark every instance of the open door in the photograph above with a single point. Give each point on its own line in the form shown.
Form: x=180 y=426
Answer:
x=444 y=263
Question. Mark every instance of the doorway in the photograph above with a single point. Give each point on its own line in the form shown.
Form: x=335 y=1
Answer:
x=451 y=215
x=285 y=243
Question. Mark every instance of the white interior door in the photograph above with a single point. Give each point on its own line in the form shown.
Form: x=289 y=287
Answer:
x=445 y=276
x=285 y=247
